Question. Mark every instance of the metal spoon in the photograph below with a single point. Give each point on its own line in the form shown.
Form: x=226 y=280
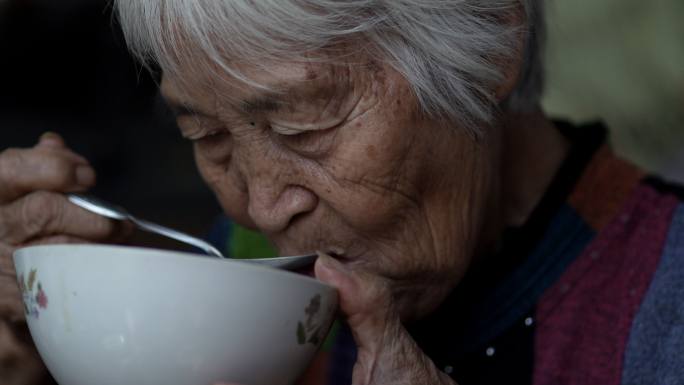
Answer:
x=101 y=207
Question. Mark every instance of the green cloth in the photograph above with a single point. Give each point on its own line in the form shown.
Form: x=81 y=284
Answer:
x=248 y=244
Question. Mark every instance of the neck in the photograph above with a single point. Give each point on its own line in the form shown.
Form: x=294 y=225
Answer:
x=532 y=152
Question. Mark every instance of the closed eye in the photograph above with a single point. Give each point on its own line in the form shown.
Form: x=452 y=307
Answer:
x=210 y=137
x=216 y=146
x=309 y=143
x=287 y=130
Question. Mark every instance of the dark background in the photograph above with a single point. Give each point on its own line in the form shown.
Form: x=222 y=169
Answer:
x=64 y=67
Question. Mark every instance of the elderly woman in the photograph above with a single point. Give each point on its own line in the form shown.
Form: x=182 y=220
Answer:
x=474 y=240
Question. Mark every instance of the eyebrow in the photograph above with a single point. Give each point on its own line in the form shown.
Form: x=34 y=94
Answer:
x=272 y=101
x=179 y=109
x=268 y=103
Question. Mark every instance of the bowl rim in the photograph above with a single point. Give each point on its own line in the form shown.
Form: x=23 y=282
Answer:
x=174 y=255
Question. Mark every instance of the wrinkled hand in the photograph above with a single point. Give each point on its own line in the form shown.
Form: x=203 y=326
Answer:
x=386 y=352
x=33 y=209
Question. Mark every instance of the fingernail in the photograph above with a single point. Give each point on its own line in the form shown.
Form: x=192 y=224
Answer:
x=85 y=175
x=334 y=264
x=51 y=139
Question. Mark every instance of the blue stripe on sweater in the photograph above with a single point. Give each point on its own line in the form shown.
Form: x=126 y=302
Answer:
x=655 y=346
x=566 y=236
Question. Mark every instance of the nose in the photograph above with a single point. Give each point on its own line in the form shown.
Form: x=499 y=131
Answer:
x=273 y=209
x=276 y=183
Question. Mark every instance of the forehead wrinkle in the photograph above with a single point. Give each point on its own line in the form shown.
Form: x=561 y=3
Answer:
x=271 y=101
x=306 y=81
x=275 y=98
x=177 y=98
x=302 y=82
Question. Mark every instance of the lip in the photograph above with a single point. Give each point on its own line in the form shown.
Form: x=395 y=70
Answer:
x=342 y=257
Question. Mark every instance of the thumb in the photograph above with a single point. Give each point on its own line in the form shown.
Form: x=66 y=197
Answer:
x=366 y=301
x=386 y=352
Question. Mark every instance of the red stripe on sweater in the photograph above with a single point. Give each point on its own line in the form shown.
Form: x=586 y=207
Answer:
x=583 y=321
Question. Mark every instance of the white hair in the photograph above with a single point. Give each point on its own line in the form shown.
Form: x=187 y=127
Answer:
x=451 y=52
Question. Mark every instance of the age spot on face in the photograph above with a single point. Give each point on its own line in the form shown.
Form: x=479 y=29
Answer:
x=372 y=152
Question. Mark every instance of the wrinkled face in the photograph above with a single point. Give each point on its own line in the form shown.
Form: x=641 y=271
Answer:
x=341 y=159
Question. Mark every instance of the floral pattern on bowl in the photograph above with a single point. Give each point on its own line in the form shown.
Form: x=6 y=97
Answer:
x=32 y=302
x=314 y=330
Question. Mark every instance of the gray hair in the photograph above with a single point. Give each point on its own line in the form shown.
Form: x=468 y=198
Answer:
x=450 y=51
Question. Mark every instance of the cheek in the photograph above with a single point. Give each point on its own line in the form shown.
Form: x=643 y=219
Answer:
x=377 y=181
x=229 y=189
x=376 y=167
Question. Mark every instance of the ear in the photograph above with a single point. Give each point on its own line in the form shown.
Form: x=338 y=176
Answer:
x=517 y=19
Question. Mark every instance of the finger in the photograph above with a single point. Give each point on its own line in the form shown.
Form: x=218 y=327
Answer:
x=10 y=302
x=367 y=304
x=365 y=300
x=43 y=214
x=51 y=139
x=19 y=359
x=60 y=239
x=386 y=353
x=44 y=167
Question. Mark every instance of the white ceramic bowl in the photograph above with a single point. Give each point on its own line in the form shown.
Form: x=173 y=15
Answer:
x=112 y=315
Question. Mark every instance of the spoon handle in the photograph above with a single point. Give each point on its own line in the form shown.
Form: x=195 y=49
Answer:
x=177 y=235
x=109 y=210
x=293 y=263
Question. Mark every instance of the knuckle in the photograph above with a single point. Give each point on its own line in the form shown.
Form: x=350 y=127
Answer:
x=19 y=168
x=10 y=305
x=62 y=171
x=39 y=209
x=11 y=164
